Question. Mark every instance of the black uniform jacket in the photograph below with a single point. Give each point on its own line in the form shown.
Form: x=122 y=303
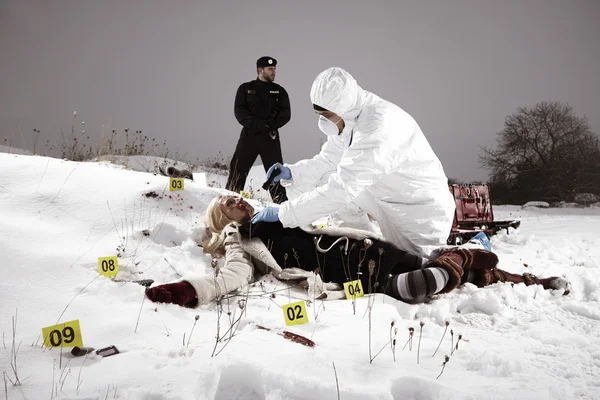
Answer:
x=261 y=106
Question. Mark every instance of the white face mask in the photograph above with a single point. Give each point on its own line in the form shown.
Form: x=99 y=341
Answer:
x=328 y=127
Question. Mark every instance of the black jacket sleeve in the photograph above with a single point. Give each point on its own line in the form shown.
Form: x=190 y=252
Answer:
x=285 y=112
x=243 y=115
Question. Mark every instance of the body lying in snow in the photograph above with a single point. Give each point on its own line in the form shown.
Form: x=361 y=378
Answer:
x=326 y=258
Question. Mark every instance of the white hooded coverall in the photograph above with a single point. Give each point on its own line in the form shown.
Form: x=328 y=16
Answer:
x=381 y=163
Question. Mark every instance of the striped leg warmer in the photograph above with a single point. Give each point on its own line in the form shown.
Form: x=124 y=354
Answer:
x=417 y=285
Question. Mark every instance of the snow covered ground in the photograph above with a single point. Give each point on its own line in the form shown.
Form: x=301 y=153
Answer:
x=57 y=217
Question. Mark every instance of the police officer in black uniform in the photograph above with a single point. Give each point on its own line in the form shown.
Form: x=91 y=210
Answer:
x=261 y=107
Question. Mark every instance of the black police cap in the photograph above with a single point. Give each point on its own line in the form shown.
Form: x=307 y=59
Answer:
x=266 y=62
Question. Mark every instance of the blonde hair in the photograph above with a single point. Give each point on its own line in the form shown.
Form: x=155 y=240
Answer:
x=215 y=221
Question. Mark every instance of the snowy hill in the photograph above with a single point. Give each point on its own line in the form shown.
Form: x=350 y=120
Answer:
x=14 y=150
x=57 y=217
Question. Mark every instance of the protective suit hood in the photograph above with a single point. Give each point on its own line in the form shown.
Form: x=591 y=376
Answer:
x=336 y=90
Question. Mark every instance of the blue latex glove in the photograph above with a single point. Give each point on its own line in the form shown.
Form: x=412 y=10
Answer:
x=267 y=214
x=284 y=172
x=483 y=239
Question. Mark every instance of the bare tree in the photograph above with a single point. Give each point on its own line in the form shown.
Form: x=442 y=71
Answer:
x=546 y=153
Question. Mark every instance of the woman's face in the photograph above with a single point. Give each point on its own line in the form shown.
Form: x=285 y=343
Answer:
x=236 y=208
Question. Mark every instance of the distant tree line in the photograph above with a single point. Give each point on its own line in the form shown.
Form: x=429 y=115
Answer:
x=544 y=153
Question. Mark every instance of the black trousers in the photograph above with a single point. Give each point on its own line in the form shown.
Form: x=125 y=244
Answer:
x=387 y=259
x=293 y=247
x=249 y=147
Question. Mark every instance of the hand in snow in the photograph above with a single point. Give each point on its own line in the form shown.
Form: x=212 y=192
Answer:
x=283 y=173
x=180 y=293
x=267 y=214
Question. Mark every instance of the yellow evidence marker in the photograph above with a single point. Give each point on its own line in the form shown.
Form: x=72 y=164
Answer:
x=295 y=313
x=176 y=184
x=67 y=334
x=353 y=289
x=109 y=266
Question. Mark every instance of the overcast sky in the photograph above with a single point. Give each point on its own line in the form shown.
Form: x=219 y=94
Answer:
x=171 y=68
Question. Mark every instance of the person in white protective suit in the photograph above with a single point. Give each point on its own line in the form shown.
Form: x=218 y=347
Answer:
x=376 y=160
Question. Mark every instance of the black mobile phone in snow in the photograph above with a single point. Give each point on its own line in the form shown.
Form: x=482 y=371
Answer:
x=107 y=351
